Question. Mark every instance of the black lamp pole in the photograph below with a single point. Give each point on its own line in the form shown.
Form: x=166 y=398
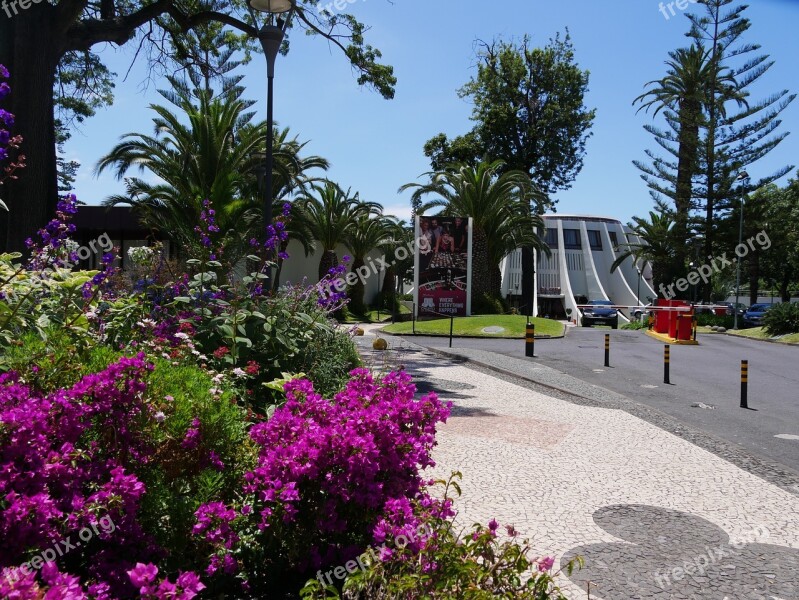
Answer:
x=743 y=177
x=271 y=38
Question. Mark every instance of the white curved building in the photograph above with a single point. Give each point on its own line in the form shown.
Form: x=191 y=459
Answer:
x=583 y=249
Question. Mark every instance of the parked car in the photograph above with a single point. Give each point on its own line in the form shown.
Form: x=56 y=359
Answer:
x=638 y=312
x=753 y=317
x=742 y=308
x=600 y=312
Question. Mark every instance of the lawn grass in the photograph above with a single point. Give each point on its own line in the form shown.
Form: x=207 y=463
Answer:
x=371 y=316
x=513 y=325
x=758 y=333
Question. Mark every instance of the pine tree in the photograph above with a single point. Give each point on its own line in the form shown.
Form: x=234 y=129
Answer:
x=732 y=141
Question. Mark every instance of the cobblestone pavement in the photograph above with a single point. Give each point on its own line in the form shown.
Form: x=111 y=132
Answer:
x=654 y=515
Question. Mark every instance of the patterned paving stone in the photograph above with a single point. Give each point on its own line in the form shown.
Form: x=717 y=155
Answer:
x=634 y=499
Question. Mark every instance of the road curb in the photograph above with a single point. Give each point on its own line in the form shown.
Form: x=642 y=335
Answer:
x=770 y=341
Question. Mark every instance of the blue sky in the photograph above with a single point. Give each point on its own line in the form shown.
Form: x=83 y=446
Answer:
x=375 y=145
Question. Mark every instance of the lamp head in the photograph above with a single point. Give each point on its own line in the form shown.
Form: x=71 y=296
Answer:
x=272 y=6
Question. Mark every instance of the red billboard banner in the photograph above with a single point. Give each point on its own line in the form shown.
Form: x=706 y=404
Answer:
x=443 y=266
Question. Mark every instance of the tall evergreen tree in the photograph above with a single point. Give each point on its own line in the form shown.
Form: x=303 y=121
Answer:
x=681 y=95
x=732 y=141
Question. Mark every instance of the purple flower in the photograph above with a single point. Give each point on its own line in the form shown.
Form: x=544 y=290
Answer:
x=6 y=117
x=143 y=574
x=192 y=438
x=546 y=563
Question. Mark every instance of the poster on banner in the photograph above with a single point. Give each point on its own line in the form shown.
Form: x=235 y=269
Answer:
x=443 y=266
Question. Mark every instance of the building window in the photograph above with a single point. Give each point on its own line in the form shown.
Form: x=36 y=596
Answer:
x=571 y=239
x=595 y=240
x=552 y=238
x=614 y=240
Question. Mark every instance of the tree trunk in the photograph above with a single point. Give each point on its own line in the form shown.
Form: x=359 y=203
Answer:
x=686 y=167
x=496 y=281
x=389 y=289
x=328 y=261
x=32 y=58
x=356 y=291
x=528 y=280
x=481 y=272
x=785 y=289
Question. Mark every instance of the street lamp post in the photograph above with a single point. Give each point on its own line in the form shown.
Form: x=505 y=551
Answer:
x=638 y=292
x=744 y=177
x=271 y=37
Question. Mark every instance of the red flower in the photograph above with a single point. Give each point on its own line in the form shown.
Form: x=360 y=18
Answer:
x=221 y=351
x=252 y=368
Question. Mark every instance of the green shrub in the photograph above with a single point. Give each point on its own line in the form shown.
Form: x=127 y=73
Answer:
x=54 y=359
x=488 y=304
x=710 y=320
x=782 y=319
x=476 y=564
x=634 y=325
x=327 y=360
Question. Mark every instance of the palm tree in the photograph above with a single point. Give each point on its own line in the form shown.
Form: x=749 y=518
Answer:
x=213 y=156
x=498 y=202
x=683 y=94
x=656 y=246
x=370 y=231
x=402 y=235
x=329 y=213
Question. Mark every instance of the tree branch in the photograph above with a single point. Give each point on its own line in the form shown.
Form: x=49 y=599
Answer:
x=88 y=32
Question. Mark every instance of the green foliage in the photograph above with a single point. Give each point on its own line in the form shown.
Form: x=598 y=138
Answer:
x=710 y=320
x=514 y=93
x=655 y=244
x=634 y=325
x=328 y=358
x=330 y=215
x=36 y=301
x=782 y=319
x=473 y=564
x=179 y=478
x=53 y=358
x=489 y=304
x=498 y=202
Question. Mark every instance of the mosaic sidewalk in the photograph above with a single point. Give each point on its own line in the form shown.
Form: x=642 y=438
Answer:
x=654 y=515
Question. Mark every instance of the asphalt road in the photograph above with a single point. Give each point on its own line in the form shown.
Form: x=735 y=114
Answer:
x=708 y=374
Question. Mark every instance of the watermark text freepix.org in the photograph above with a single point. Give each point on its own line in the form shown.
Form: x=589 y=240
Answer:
x=58 y=549
x=667 y=8
x=372 y=267
x=717 y=264
x=11 y=5
x=371 y=556
x=709 y=558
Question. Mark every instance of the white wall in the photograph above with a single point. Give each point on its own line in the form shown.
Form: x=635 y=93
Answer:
x=299 y=268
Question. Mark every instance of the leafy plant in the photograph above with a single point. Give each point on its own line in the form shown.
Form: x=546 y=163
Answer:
x=782 y=319
x=450 y=564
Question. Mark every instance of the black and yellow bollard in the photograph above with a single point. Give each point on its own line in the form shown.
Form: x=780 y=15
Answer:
x=666 y=362
x=607 y=349
x=744 y=384
x=529 y=341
